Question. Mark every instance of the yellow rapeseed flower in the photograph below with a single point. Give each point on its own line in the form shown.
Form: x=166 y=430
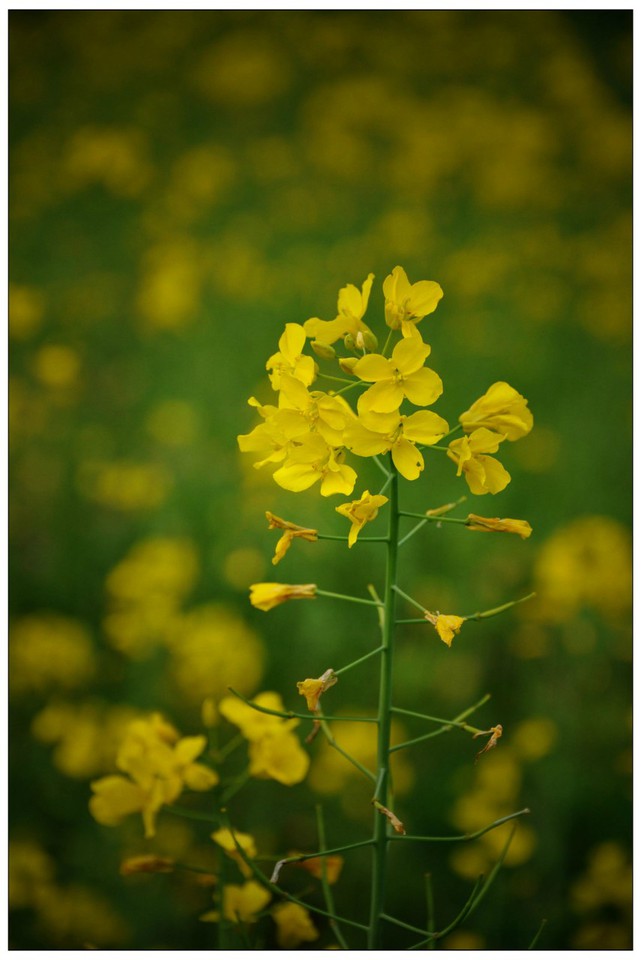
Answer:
x=241 y=904
x=407 y=303
x=290 y=358
x=312 y=460
x=279 y=756
x=502 y=409
x=254 y=724
x=292 y=531
x=400 y=376
x=361 y=512
x=447 y=625
x=374 y=433
x=520 y=527
x=352 y=304
x=294 y=925
x=483 y=474
x=266 y=596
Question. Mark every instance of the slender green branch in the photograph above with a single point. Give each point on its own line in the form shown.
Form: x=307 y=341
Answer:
x=401 y=923
x=382 y=491
x=447 y=725
x=289 y=714
x=301 y=857
x=235 y=786
x=371 y=589
x=495 y=869
x=429 y=898
x=381 y=466
x=332 y=742
x=355 y=663
x=387 y=343
x=538 y=933
x=467 y=907
x=327 y=890
x=463 y=838
x=496 y=610
x=440 y=519
x=329 y=536
x=326 y=376
x=342 y=596
x=432 y=516
x=415 y=603
x=453 y=430
x=192 y=814
x=228 y=749
x=461 y=716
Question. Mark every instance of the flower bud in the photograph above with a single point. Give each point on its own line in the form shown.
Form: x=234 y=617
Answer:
x=347 y=364
x=370 y=341
x=323 y=350
x=350 y=343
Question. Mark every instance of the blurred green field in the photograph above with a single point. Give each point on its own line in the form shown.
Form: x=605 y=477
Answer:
x=182 y=184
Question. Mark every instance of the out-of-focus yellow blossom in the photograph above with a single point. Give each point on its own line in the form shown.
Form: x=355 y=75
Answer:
x=274 y=751
x=290 y=358
x=607 y=880
x=160 y=766
x=375 y=433
x=502 y=409
x=447 y=625
x=333 y=866
x=245 y=68
x=521 y=527
x=146 y=863
x=75 y=914
x=86 y=735
x=313 y=689
x=279 y=756
x=587 y=562
x=171 y=284
x=407 y=303
x=294 y=926
x=48 y=650
x=26 y=310
x=292 y=531
x=225 y=839
x=266 y=596
x=57 y=366
x=145 y=591
x=312 y=460
x=174 y=423
x=361 y=512
x=115 y=158
x=402 y=375
x=209 y=713
x=604 y=935
x=212 y=648
x=241 y=904
x=243 y=565
x=483 y=474
x=125 y=485
x=352 y=304
x=534 y=738
x=30 y=869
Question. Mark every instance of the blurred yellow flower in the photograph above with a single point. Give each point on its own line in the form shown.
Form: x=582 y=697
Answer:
x=502 y=409
x=57 y=366
x=266 y=596
x=241 y=904
x=48 y=650
x=407 y=303
x=124 y=484
x=521 y=527
x=294 y=926
x=26 y=311
x=274 y=751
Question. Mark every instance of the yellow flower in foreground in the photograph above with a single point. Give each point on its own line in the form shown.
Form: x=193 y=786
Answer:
x=400 y=376
x=312 y=689
x=294 y=925
x=290 y=358
x=483 y=474
x=520 y=527
x=374 y=433
x=501 y=408
x=352 y=304
x=292 y=531
x=265 y=596
x=447 y=625
x=361 y=512
x=407 y=303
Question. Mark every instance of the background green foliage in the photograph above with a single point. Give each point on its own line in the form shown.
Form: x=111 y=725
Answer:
x=182 y=185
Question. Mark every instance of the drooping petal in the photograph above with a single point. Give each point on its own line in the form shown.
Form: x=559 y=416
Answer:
x=408 y=460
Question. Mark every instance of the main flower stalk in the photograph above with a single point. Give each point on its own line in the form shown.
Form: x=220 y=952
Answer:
x=383 y=784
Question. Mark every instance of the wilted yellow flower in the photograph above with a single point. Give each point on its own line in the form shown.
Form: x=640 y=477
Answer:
x=265 y=596
x=407 y=303
x=352 y=304
x=520 y=527
x=292 y=531
x=312 y=689
x=290 y=359
x=402 y=375
x=294 y=925
x=361 y=512
x=483 y=474
x=447 y=625
x=502 y=409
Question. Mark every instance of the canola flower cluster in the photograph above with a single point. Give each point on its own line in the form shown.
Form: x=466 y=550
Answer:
x=307 y=435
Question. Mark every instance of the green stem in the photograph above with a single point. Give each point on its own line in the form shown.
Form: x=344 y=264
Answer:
x=342 y=596
x=327 y=890
x=537 y=935
x=387 y=343
x=381 y=466
x=332 y=742
x=301 y=857
x=421 y=516
x=288 y=714
x=447 y=725
x=429 y=897
x=380 y=834
x=496 y=610
x=355 y=663
x=415 y=603
x=464 y=836
x=453 y=430
x=328 y=536
x=326 y=376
